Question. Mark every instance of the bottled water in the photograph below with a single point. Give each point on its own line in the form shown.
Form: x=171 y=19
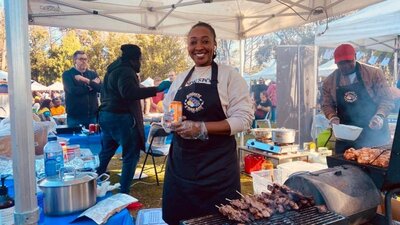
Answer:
x=53 y=157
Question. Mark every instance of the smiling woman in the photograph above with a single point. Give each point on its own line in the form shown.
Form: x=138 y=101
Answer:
x=216 y=105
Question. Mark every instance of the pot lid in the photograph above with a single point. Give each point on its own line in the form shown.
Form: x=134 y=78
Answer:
x=284 y=129
x=68 y=179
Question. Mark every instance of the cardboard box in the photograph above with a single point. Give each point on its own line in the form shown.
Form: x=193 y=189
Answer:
x=395 y=208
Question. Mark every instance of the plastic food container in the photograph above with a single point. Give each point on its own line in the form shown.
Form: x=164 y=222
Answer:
x=346 y=132
x=263 y=178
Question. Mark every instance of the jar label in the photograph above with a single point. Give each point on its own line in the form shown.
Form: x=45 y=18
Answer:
x=7 y=216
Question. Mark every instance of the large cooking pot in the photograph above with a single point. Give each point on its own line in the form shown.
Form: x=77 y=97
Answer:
x=262 y=133
x=283 y=135
x=69 y=193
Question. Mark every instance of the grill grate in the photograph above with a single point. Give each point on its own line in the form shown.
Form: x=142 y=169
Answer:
x=308 y=216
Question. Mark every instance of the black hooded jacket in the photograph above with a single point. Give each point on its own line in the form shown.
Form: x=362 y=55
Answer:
x=121 y=92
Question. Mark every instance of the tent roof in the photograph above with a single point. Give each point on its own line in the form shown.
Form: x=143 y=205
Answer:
x=232 y=19
x=57 y=86
x=327 y=68
x=35 y=86
x=375 y=27
x=268 y=72
x=3 y=75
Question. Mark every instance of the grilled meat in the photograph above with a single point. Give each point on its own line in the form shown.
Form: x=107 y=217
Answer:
x=280 y=199
x=369 y=156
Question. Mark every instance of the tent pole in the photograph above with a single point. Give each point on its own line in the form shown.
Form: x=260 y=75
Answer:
x=395 y=60
x=16 y=18
x=241 y=49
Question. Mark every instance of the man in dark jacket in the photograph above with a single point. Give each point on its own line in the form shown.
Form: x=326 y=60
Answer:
x=121 y=117
x=81 y=86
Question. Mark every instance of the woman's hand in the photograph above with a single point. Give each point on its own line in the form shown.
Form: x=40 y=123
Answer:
x=189 y=129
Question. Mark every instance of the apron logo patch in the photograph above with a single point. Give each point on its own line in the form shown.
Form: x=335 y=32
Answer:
x=193 y=102
x=350 y=96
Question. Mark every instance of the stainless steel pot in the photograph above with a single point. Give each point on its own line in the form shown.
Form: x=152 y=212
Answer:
x=68 y=194
x=283 y=135
x=262 y=133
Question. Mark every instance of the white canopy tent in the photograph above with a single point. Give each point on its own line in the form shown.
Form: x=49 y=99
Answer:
x=235 y=19
x=56 y=86
x=375 y=27
x=3 y=75
x=269 y=72
x=327 y=68
x=35 y=86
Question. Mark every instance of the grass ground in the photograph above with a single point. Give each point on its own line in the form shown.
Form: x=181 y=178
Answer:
x=146 y=189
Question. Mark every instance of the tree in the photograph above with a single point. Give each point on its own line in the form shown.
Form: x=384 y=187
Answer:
x=52 y=50
x=2 y=41
x=39 y=44
x=161 y=54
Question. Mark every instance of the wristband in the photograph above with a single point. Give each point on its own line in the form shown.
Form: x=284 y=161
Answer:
x=334 y=117
x=381 y=116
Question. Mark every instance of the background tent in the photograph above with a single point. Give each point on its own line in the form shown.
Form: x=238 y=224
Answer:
x=149 y=82
x=375 y=27
x=327 y=68
x=35 y=86
x=3 y=75
x=269 y=72
x=136 y=17
x=57 y=86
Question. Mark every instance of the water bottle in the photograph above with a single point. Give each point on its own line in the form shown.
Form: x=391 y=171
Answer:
x=53 y=157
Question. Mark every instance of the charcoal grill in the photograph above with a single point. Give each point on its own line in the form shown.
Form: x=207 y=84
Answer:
x=307 y=216
x=385 y=179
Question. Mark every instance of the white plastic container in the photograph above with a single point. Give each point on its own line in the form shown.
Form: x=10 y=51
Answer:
x=346 y=132
x=263 y=178
x=299 y=166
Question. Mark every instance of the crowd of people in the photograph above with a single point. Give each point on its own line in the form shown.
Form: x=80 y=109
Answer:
x=47 y=104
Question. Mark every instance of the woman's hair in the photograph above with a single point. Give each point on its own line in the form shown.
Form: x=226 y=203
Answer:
x=45 y=104
x=210 y=28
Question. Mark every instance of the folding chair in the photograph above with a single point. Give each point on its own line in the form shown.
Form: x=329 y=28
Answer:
x=266 y=120
x=157 y=147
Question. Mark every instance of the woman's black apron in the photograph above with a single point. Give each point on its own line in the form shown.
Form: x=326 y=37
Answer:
x=200 y=174
x=356 y=107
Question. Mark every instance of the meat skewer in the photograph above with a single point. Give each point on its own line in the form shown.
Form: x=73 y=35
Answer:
x=280 y=199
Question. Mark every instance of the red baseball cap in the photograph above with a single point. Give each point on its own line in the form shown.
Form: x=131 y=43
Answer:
x=344 y=52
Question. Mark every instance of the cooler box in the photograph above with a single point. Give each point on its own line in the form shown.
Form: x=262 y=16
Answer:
x=299 y=166
x=253 y=162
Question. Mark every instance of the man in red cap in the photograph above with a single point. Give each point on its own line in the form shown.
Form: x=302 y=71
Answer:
x=357 y=94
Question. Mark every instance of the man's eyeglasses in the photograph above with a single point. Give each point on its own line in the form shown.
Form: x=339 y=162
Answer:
x=83 y=59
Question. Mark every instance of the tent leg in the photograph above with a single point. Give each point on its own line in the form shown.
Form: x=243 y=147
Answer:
x=395 y=61
x=16 y=18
